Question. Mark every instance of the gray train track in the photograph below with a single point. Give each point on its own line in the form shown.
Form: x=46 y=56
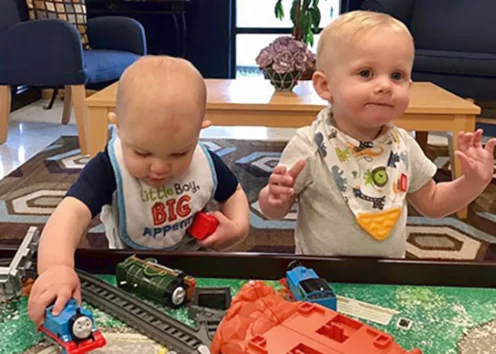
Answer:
x=176 y=336
x=143 y=317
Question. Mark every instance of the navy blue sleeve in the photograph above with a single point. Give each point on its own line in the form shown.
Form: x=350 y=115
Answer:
x=226 y=180
x=96 y=183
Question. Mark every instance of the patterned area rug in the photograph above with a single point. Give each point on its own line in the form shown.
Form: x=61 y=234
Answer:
x=30 y=193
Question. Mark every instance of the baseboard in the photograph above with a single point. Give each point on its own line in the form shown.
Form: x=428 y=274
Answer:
x=24 y=96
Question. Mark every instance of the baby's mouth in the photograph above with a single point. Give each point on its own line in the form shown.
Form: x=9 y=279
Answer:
x=156 y=180
x=380 y=104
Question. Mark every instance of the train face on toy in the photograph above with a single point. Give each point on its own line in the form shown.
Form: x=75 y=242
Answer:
x=73 y=329
x=306 y=285
x=155 y=282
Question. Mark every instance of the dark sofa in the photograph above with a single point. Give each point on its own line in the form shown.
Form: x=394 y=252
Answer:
x=455 y=44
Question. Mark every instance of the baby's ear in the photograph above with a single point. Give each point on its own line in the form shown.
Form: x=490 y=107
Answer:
x=206 y=124
x=320 y=84
x=112 y=118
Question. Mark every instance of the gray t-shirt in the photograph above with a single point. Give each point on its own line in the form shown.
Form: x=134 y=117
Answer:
x=325 y=225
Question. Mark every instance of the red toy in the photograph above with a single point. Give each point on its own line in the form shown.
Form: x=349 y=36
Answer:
x=203 y=226
x=261 y=322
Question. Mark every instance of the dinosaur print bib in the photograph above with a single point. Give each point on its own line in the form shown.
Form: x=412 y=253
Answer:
x=371 y=175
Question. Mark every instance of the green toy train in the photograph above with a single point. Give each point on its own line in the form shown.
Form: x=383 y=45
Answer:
x=156 y=282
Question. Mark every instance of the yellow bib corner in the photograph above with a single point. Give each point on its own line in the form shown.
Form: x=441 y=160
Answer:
x=379 y=224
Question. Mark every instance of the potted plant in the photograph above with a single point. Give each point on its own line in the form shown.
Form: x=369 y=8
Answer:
x=305 y=15
x=284 y=60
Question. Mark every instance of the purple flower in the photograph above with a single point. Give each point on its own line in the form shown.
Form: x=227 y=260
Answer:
x=300 y=61
x=283 y=40
x=300 y=58
x=310 y=60
x=286 y=54
x=264 y=59
x=279 y=47
x=284 y=61
x=297 y=47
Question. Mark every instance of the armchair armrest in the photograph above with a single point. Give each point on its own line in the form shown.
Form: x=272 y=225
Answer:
x=399 y=9
x=41 y=53
x=117 y=33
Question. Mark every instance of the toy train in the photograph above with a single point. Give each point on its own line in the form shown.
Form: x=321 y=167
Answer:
x=156 y=282
x=305 y=285
x=73 y=329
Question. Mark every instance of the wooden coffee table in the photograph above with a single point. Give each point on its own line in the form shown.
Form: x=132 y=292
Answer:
x=254 y=102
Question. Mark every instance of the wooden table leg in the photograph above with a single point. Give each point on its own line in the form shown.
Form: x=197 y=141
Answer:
x=422 y=138
x=5 y=105
x=97 y=129
x=66 y=114
x=78 y=95
x=462 y=123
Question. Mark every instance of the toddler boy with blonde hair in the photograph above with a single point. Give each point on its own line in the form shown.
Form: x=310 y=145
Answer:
x=352 y=171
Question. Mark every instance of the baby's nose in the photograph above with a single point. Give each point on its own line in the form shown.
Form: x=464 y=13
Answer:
x=160 y=167
x=383 y=85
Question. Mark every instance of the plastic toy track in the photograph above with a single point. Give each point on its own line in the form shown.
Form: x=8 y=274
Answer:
x=145 y=318
x=204 y=316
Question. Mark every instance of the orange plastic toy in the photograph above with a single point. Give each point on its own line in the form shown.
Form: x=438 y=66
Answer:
x=261 y=322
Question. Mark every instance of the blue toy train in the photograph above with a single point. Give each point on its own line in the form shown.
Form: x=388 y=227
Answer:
x=73 y=329
x=306 y=285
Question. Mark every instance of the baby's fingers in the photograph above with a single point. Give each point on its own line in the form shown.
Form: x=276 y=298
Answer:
x=212 y=240
x=275 y=200
x=285 y=180
x=279 y=199
x=297 y=168
x=209 y=241
x=279 y=170
x=275 y=189
x=63 y=296
x=38 y=304
x=490 y=145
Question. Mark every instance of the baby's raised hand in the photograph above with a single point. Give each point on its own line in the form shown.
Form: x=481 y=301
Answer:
x=477 y=162
x=281 y=183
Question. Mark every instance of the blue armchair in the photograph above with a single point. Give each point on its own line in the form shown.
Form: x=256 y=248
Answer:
x=48 y=53
x=455 y=46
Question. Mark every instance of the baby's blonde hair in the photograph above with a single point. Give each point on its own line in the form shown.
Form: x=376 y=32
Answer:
x=159 y=80
x=350 y=27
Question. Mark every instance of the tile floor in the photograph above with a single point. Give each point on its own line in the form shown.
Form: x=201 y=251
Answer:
x=32 y=128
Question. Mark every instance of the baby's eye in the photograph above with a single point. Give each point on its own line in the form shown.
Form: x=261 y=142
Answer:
x=180 y=154
x=142 y=154
x=397 y=76
x=365 y=73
